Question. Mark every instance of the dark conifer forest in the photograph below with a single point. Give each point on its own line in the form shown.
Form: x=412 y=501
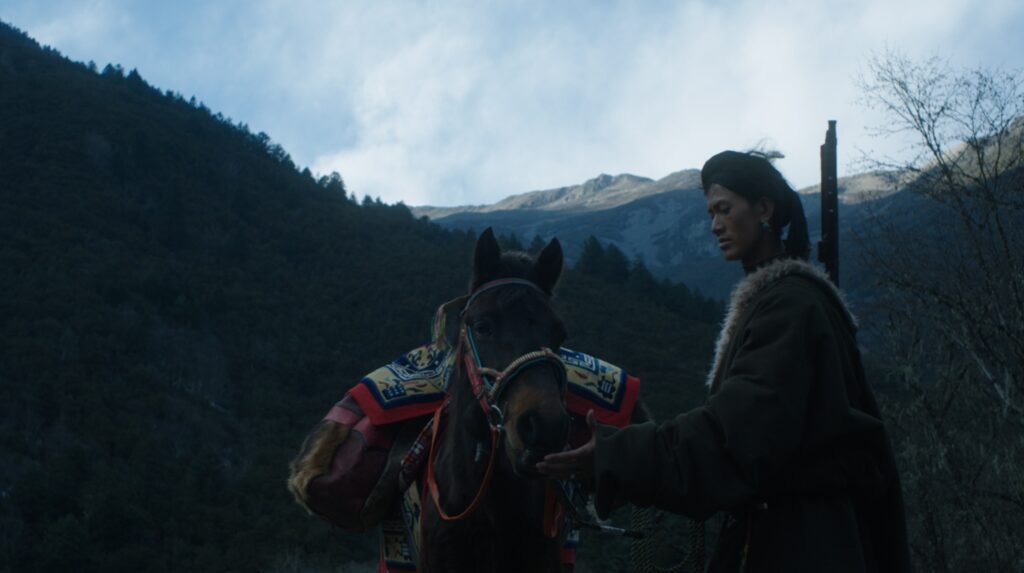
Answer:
x=181 y=303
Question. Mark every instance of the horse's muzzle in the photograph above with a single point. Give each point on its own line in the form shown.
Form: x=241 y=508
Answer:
x=525 y=463
x=543 y=432
x=539 y=435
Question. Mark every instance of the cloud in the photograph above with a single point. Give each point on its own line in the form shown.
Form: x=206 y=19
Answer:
x=627 y=91
x=467 y=102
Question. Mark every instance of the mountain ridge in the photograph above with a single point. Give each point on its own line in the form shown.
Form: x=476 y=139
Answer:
x=661 y=222
x=601 y=192
x=852 y=188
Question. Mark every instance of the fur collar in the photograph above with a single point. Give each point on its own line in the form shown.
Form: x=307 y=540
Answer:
x=748 y=288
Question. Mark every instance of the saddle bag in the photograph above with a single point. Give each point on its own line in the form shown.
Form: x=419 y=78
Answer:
x=349 y=471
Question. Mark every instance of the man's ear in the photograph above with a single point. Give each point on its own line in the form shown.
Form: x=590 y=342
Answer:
x=765 y=209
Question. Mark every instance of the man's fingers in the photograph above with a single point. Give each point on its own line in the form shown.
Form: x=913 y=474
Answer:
x=561 y=471
x=571 y=461
x=560 y=457
x=556 y=470
x=568 y=464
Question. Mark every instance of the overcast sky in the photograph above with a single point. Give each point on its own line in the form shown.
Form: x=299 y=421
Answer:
x=449 y=103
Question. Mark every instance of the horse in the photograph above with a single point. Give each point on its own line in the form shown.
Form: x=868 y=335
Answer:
x=488 y=507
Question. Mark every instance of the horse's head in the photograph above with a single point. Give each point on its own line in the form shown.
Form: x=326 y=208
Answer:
x=509 y=327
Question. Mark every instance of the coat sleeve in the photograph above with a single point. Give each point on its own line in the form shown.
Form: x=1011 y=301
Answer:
x=718 y=456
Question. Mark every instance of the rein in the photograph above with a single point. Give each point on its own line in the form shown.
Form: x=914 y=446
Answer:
x=432 y=481
x=487 y=384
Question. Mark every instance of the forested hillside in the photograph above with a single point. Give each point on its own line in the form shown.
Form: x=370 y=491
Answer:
x=181 y=303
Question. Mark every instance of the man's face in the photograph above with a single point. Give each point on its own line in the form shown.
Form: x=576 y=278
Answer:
x=735 y=221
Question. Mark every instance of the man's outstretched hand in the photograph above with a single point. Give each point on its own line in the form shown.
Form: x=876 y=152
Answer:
x=575 y=464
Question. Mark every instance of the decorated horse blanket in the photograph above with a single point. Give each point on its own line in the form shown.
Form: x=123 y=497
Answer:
x=417 y=382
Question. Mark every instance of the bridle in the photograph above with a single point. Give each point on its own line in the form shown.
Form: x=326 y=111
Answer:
x=488 y=385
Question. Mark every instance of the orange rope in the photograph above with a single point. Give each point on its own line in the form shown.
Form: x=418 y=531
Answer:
x=432 y=482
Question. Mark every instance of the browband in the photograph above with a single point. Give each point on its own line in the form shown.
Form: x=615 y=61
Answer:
x=502 y=282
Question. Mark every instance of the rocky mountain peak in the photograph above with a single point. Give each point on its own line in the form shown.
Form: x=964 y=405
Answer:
x=602 y=192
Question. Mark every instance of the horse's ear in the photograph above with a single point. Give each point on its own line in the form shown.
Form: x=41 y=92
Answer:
x=548 y=267
x=487 y=259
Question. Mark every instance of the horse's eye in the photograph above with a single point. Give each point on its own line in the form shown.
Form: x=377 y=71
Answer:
x=483 y=328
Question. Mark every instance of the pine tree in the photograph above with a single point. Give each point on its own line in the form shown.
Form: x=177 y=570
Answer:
x=510 y=242
x=641 y=281
x=591 y=260
x=615 y=268
x=536 y=245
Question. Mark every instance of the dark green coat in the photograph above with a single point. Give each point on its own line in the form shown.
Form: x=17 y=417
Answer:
x=790 y=443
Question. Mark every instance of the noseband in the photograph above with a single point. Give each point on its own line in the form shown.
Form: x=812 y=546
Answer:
x=488 y=385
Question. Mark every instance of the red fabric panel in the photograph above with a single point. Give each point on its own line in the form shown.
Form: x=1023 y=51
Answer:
x=379 y=415
x=580 y=406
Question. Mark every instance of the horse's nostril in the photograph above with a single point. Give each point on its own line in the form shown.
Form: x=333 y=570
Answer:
x=531 y=429
x=540 y=434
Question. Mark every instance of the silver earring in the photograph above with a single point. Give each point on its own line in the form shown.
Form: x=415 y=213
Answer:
x=766 y=227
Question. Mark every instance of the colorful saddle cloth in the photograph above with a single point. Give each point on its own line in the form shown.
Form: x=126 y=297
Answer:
x=416 y=383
